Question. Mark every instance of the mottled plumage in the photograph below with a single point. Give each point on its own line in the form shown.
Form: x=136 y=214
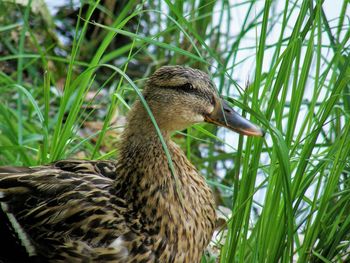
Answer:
x=129 y=210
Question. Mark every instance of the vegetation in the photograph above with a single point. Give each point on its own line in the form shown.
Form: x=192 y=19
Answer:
x=67 y=80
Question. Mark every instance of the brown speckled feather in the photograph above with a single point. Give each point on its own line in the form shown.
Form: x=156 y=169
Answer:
x=72 y=211
x=65 y=202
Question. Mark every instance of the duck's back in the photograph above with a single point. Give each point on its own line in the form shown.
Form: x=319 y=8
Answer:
x=63 y=211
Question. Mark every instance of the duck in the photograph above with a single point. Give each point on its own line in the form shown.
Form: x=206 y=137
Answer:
x=132 y=209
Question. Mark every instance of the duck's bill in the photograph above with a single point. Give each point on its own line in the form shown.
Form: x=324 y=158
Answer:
x=225 y=116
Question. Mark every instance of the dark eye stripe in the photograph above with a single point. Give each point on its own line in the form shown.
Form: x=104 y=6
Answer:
x=188 y=88
x=185 y=88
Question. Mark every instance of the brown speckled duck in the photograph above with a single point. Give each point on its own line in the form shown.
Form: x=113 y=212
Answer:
x=130 y=210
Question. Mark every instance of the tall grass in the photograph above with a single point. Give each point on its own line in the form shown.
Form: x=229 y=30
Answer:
x=288 y=193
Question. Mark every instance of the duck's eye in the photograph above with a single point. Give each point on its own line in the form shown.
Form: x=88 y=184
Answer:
x=188 y=86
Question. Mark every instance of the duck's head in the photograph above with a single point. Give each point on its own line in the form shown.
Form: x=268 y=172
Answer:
x=181 y=96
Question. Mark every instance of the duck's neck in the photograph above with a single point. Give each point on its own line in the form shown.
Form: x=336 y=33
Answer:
x=146 y=183
x=141 y=158
x=140 y=133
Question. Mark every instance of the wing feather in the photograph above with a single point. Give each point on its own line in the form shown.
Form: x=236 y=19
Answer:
x=61 y=205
